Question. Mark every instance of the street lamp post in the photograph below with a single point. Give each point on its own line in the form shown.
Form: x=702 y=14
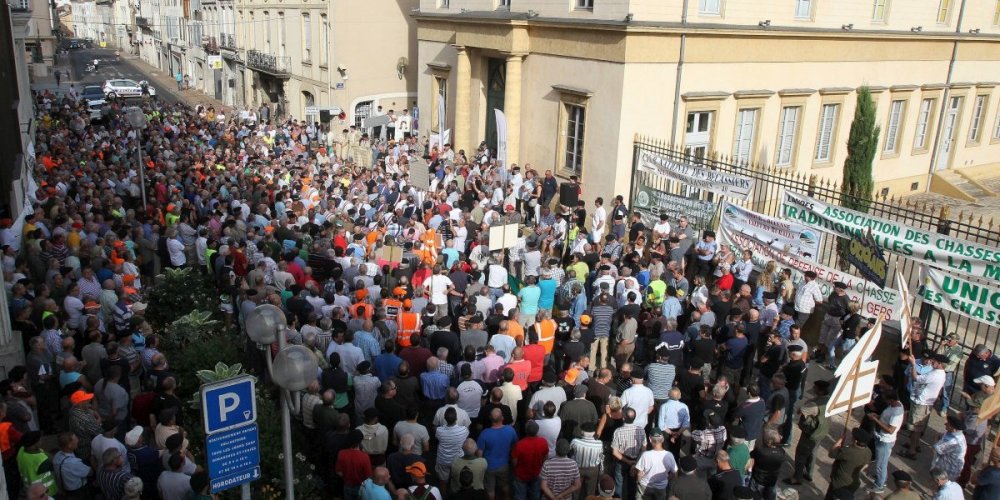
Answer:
x=293 y=369
x=137 y=119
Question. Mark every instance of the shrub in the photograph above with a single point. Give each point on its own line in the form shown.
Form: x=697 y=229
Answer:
x=176 y=293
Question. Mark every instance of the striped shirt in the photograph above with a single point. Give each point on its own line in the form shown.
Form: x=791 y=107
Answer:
x=588 y=452
x=560 y=473
x=112 y=482
x=660 y=378
x=629 y=440
x=601 y=320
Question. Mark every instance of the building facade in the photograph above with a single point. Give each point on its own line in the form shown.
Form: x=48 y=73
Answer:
x=769 y=83
x=302 y=58
x=34 y=34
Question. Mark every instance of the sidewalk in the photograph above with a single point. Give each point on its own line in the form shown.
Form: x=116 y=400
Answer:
x=163 y=80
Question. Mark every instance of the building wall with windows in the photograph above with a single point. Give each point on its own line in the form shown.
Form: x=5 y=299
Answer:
x=771 y=83
x=326 y=54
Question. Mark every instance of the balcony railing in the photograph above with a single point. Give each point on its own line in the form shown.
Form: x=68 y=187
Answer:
x=227 y=41
x=210 y=44
x=269 y=63
x=19 y=6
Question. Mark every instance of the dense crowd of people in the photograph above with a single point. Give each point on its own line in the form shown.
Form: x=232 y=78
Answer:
x=599 y=355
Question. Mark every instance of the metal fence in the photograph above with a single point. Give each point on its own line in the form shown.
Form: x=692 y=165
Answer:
x=769 y=183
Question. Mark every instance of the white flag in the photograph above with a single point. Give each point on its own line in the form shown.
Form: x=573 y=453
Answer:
x=501 y=137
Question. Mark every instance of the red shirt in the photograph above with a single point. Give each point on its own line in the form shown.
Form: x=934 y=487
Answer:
x=522 y=371
x=530 y=454
x=535 y=354
x=355 y=466
x=725 y=282
x=417 y=358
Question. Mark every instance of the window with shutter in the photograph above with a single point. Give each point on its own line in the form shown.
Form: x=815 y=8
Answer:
x=827 y=124
x=746 y=123
x=892 y=129
x=786 y=135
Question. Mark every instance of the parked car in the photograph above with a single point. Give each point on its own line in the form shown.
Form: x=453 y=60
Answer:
x=93 y=93
x=125 y=88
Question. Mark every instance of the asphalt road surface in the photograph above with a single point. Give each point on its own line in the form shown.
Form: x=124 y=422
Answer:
x=110 y=67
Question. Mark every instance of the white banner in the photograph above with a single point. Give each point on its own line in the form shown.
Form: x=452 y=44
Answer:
x=961 y=295
x=439 y=139
x=501 y=137
x=885 y=303
x=697 y=176
x=781 y=235
x=856 y=375
x=922 y=245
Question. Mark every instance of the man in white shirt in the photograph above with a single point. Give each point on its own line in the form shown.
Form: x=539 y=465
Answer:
x=496 y=278
x=926 y=389
x=887 y=426
x=807 y=297
x=439 y=285
x=742 y=270
x=598 y=222
x=654 y=468
x=175 y=248
x=661 y=230
x=639 y=397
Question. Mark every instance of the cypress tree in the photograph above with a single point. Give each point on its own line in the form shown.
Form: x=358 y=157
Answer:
x=862 y=144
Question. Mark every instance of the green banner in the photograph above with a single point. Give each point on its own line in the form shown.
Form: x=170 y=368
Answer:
x=650 y=203
x=922 y=245
x=960 y=295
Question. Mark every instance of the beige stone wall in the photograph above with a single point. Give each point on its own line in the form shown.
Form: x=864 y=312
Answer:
x=630 y=76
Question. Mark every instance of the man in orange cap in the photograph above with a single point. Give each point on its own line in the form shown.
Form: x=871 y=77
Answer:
x=394 y=305
x=420 y=488
x=362 y=309
x=409 y=324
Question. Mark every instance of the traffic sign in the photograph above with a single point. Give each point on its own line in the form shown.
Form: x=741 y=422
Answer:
x=228 y=404
x=233 y=457
x=224 y=483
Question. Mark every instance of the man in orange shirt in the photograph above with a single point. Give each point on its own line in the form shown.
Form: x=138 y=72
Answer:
x=394 y=305
x=545 y=328
x=521 y=368
x=361 y=308
x=409 y=324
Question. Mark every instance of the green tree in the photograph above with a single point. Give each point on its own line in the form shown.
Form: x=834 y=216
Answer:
x=857 y=185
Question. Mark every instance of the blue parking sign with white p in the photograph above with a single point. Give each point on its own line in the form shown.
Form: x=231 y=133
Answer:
x=228 y=404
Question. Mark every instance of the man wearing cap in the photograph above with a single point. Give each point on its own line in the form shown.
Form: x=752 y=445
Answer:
x=954 y=353
x=577 y=412
x=848 y=460
x=904 y=490
x=813 y=426
x=987 y=481
x=688 y=483
x=639 y=397
x=34 y=463
x=836 y=310
x=589 y=455
x=949 y=451
x=926 y=389
x=420 y=488
x=654 y=469
x=981 y=362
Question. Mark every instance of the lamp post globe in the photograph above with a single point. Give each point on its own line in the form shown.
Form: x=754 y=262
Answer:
x=136 y=118
x=264 y=323
x=295 y=368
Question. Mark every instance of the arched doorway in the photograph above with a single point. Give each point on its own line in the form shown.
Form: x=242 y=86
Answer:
x=309 y=112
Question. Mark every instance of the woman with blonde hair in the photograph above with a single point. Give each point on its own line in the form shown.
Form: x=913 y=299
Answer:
x=766 y=281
